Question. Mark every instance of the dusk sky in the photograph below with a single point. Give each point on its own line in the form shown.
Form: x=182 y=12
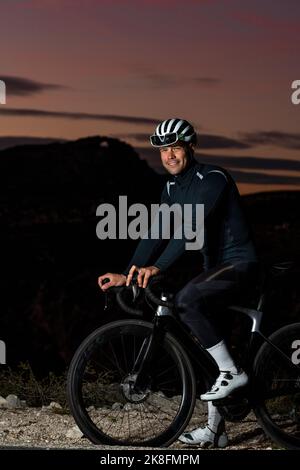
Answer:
x=75 y=68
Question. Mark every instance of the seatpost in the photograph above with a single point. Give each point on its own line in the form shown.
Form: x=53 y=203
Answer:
x=261 y=302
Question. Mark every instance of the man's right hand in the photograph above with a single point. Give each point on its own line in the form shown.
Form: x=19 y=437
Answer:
x=114 y=280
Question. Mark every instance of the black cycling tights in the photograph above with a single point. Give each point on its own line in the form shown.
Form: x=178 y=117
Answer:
x=203 y=299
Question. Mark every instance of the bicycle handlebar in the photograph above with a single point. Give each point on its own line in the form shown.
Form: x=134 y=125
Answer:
x=148 y=293
x=151 y=296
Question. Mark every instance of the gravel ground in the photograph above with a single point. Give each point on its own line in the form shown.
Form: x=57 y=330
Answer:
x=47 y=428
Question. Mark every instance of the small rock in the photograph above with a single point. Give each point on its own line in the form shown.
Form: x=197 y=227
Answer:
x=3 y=403
x=116 y=406
x=74 y=433
x=13 y=401
x=55 y=406
x=127 y=407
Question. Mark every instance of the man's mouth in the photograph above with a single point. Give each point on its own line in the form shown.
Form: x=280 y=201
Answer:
x=172 y=163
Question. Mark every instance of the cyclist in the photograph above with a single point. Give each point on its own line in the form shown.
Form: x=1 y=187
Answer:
x=230 y=261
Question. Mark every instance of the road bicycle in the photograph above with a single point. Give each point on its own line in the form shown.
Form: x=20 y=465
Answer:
x=134 y=382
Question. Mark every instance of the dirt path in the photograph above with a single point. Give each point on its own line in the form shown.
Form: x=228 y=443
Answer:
x=45 y=428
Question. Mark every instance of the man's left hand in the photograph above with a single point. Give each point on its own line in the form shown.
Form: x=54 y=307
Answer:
x=143 y=274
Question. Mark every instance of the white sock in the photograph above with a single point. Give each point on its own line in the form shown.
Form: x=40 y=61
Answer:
x=214 y=417
x=222 y=357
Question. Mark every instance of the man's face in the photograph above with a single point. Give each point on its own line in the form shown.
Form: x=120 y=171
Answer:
x=174 y=158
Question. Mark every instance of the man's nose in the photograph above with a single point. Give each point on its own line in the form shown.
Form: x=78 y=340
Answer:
x=170 y=151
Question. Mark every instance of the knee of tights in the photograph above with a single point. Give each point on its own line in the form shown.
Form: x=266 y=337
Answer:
x=183 y=297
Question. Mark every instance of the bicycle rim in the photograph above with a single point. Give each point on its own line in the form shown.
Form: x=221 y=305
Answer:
x=98 y=388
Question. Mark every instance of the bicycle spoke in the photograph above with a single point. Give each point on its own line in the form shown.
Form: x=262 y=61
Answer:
x=124 y=353
x=122 y=373
x=166 y=371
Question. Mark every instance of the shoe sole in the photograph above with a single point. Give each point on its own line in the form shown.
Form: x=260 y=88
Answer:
x=222 y=442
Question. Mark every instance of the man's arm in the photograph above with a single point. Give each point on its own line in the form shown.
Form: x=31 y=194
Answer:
x=210 y=193
x=147 y=246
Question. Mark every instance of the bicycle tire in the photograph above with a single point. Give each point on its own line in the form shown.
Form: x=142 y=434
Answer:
x=277 y=382
x=151 y=434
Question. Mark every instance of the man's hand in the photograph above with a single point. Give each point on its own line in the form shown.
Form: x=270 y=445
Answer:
x=114 y=280
x=143 y=275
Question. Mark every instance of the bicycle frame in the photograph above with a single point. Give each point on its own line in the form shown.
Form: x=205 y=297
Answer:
x=165 y=322
x=256 y=317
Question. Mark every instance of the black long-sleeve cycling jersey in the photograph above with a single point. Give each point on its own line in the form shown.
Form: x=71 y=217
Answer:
x=226 y=232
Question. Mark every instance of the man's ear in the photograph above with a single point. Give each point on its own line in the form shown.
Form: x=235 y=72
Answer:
x=191 y=146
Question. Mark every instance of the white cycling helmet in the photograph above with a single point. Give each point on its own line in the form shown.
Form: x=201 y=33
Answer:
x=170 y=131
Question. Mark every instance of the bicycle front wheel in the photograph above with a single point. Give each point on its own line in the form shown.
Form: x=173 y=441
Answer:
x=277 y=382
x=99 y=388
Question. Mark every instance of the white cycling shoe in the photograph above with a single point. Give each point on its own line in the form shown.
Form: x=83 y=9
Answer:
x=225 y=384
x=205 y=437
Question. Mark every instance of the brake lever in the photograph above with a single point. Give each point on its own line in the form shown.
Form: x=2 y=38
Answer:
x=134 y=287
x=135 y=291
x=105 y=294
x=105 y=301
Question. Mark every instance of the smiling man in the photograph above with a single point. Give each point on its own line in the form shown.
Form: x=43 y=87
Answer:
x=230 y=262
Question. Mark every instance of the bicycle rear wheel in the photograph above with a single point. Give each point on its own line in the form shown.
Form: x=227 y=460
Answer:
x=99 y=394
x=277 y=381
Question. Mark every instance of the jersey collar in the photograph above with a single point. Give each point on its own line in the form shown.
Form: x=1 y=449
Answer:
x=185 y=176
